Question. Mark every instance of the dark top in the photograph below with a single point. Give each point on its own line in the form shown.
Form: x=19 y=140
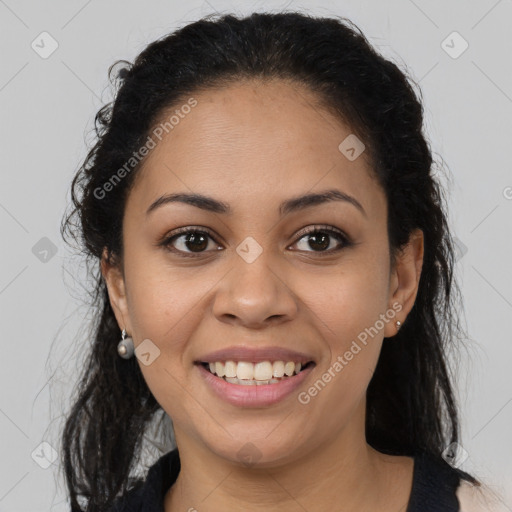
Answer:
x=434 y=485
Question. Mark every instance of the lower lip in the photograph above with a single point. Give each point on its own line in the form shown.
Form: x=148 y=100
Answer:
x=253 y=395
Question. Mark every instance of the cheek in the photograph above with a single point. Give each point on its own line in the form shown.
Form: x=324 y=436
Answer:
x=349 y=299
x=166 y=307
x=158 y=296
x=168 y=316
x=348 y=307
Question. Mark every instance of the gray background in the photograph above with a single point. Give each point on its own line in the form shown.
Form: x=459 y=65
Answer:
x=47 y=110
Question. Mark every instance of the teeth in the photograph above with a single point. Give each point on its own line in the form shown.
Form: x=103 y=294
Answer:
x=263 y=370
x=289 y=368
x=245 y=382
x=278 y=367
x=247 y=373
x=219 y=369
x=244 y=370
x=230 y=369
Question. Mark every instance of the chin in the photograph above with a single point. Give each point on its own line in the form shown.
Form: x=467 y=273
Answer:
x=260 y=452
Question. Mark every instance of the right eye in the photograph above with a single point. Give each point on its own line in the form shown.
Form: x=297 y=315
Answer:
x=187 y=241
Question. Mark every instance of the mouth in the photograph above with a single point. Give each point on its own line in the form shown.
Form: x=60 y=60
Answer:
x=259 y=373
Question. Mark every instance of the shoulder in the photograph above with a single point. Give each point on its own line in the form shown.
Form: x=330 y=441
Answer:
x=147 y=494
x=474 y=498
x=130 y=501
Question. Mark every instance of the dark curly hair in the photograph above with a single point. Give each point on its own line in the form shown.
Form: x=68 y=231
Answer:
x=411 y=407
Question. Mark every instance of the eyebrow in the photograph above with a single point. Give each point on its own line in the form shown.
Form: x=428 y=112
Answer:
x=290 y=205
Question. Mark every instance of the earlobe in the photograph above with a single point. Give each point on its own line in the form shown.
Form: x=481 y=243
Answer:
x=405 y=279
x=114 y=281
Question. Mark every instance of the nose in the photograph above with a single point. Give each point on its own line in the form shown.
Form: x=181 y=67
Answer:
x=255 y=295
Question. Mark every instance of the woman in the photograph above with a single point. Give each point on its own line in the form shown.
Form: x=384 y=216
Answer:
x=299 y=347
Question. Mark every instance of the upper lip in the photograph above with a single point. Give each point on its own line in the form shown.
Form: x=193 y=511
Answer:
x=240 y=353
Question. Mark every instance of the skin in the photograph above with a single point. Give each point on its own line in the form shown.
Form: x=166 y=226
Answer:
x=253 y=145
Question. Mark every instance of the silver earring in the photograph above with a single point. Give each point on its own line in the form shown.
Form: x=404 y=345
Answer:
x=398 y=324
x=125 y=347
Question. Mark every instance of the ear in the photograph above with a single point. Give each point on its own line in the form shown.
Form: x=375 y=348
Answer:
x=114 y=279
x=404 y=280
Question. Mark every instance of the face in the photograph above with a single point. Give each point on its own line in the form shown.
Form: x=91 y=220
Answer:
x=251 y=277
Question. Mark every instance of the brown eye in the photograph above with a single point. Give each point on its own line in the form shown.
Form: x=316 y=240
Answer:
x=195 y=241
x=320 y=238
x=188 y=241
x=191 y=242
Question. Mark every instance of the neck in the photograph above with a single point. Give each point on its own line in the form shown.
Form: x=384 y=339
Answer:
x=345 y=470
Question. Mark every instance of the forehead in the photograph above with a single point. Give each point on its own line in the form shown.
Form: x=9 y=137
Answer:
x=251 y=140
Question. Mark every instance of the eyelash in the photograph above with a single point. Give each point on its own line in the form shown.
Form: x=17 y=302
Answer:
x=341 y=237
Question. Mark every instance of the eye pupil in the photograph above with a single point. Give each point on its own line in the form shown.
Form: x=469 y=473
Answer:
x=325 y=238
x=192 y=238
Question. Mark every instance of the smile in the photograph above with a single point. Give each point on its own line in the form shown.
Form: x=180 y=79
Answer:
x=258 y=385
x=254 y=374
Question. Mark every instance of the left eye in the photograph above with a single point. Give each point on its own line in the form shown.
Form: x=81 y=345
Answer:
x=321 y=237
